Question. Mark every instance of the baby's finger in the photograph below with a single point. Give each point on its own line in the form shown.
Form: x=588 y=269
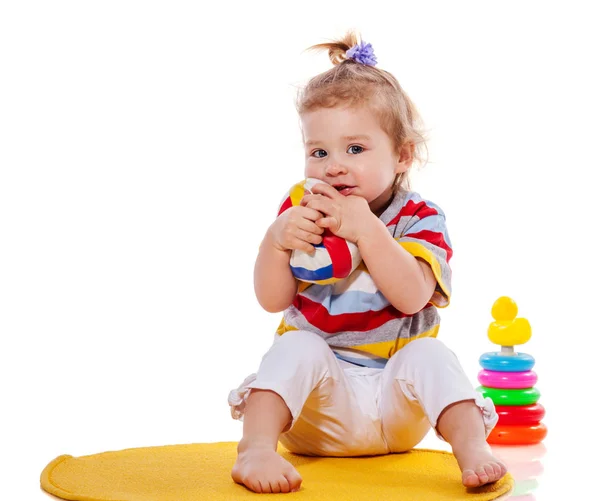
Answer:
x=310 y=226
x=326 y=190
x=321 y=204
x=309 y=237
x=307 y=198
x=327 y=222
x=310 y=213
x=302 y=245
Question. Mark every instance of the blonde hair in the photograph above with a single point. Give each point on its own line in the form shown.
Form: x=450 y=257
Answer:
x=353 y=84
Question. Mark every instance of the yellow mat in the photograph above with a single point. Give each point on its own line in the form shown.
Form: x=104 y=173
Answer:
x=201 y=472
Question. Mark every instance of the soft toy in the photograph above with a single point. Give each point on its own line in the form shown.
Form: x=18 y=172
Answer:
x=335 y=258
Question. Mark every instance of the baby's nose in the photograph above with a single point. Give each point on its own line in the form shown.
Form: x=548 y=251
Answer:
x=335 y=169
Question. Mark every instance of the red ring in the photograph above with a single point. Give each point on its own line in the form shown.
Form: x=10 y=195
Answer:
x=517 y=434
x=520 y=414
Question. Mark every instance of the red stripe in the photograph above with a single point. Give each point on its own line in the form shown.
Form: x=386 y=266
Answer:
x=318 y=316
x=285 y=205
x=420 y=209
x=340 y=254
x=434 y=238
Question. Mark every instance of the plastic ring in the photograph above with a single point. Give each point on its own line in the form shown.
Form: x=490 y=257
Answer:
x=497 y=361
x=517 y=435
x=520 y=414
x=511 y=380
x=526 y=396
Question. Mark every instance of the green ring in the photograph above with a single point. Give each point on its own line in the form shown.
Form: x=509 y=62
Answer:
x=526 y=396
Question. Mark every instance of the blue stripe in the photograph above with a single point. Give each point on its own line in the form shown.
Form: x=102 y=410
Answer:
x=373 y=363
x=431 y=223
x=320 y=274
x=348 y=302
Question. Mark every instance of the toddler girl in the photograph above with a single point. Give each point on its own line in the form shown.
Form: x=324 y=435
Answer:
x=355 y=368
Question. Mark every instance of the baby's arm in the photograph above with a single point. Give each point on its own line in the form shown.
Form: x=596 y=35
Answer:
x=407 y=282
x=274 y=285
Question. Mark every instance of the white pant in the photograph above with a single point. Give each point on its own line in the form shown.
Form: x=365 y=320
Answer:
x=342 y=410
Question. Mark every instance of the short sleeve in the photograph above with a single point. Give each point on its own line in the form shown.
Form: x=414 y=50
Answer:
x=425 y=236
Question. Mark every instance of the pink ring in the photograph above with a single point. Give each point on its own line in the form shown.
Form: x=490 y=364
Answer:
x=510 y=380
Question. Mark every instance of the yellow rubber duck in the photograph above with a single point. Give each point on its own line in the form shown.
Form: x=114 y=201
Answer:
x=508 y=330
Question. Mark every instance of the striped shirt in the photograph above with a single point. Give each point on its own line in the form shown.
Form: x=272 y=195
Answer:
x=354 y=317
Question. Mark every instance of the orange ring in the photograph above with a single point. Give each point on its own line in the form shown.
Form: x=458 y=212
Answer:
x=517 y=434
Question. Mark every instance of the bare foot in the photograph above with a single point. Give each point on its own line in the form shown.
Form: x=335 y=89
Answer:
x=478 y=465
x=262 y=470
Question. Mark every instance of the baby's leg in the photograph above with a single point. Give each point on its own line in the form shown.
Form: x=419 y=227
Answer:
x=258 y=465
x=297 y=364
x=426 y=374
x=461 y=425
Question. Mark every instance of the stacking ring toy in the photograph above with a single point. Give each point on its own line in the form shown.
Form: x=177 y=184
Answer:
x=511 y=380
x=335 y=257
x=520 y=414
x=517 y=434
x=526 y=396
x=498 y=361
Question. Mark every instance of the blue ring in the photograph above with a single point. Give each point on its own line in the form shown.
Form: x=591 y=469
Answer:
x=497 y=361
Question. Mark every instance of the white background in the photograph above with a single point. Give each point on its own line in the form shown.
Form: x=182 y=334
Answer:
x=145 y=147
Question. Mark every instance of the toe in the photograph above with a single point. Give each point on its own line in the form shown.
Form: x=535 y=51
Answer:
x=254 y=486
x=497 y=471
x=493 y=471
x=284 y=485
x=470 y=479
x=489 y=470
x=503 y=469
x=483 y=476
x=294 y=479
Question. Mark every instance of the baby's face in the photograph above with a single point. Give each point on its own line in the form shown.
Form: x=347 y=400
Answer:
x=346 y=148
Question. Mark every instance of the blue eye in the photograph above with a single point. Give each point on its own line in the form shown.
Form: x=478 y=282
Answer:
x=350 y=150
x=356 y=146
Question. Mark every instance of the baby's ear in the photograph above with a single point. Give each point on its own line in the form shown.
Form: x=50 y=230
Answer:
x=406 y=156
x=406 y=151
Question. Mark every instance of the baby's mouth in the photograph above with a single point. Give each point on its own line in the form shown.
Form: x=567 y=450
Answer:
x=344 y=189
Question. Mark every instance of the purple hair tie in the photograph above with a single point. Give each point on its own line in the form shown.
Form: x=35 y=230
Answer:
x=362 y=53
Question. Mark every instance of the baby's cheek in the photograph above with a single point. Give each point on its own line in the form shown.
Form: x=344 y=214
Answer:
x=310 y=171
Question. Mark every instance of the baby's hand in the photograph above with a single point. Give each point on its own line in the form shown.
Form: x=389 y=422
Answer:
x=347 y=217
x=296 y=229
